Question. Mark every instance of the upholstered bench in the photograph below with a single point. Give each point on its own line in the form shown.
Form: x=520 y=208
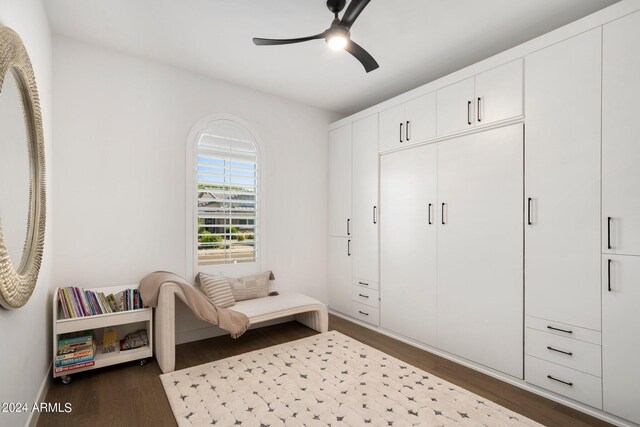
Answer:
x=307 y=310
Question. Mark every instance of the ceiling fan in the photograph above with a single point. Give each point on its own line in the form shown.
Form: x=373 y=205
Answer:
x=338 y=35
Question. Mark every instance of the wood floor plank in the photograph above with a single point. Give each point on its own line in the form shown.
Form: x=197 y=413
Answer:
x=132 y=395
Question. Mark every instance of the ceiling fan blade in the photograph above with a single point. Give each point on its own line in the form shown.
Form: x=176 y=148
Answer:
x=353 y=11
x=361 y=55
x=275 y=42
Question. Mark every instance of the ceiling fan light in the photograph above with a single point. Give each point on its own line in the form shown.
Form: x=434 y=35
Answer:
x=337 y=42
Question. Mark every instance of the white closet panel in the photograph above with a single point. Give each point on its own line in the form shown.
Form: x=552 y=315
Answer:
x=339 y=274
x=621 y=336
x=480 y=243
x=456 y=107
x=621 y=136
x=392 y=135
x=340 y=181
x=421 y=118
x=365 y=210
x=408 y=188
x=499 y=93
x=562 y=152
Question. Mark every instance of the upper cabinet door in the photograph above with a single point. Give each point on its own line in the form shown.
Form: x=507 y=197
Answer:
x=392 y=128
x=340 y=182
x=562 y=181
x=499 y=93
x=365 y=199
x=421 y=118
x=456 y=107
x=621 y=137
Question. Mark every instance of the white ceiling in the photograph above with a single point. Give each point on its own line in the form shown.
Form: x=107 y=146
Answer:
x=414 y=41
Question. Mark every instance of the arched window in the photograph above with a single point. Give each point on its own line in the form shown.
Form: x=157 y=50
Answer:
x=225 y=200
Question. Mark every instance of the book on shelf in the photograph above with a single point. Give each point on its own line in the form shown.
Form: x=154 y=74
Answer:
x=79 y=365
x=73 y=352
x=78 y=302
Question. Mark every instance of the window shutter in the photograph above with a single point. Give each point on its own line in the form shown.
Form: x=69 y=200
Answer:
x=227 y=176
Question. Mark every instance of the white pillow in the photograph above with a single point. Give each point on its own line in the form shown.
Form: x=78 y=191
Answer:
x=217 y=288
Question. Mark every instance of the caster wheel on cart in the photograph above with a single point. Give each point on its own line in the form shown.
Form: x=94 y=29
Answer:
x=66 y=379
x=143 y=362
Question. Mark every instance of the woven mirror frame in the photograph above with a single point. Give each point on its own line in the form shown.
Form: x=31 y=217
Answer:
x=17 y=283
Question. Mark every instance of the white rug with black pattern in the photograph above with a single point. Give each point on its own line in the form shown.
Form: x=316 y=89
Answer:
x=326 y=379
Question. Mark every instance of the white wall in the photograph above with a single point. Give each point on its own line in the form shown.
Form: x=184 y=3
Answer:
x=25 y=333
x=122 y=126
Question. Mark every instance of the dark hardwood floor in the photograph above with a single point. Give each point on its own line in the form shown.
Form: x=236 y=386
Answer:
x=132 y=395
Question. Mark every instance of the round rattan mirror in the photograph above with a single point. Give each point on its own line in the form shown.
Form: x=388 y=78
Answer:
x=22 y=186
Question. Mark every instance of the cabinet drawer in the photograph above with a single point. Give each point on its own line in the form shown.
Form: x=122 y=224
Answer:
x=564 y=330
x=366 y=313
x=575 y=354
x=568 y=382
x=365 y=296
x=369 y=284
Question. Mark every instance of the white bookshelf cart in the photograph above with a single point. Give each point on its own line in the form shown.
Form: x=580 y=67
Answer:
x=123 y=321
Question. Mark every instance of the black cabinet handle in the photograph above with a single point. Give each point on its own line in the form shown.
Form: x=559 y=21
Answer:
x=349 y=247
x=430 y=213
x=408 y=135
x=363 y=296
x=559 y=330
x=363 y=284
x=348 y=227
x=478 y=112
x=363 y=313
x=560 y=381
x=568 y=353
x=375 y=216
x=401 y=133
x=468 y=112
x=609 y=274
x=442 y=214
x=609 y=232
x=529 y=211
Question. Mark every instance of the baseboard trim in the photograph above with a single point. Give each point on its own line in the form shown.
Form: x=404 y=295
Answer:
x=183 y=337
x=594 y=412
x=32 y=421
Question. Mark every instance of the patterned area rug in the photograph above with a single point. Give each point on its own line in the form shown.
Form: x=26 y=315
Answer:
x=326 y=379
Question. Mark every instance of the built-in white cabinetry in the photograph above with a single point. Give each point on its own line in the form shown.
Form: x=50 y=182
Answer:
x=621 y=137
x=621 y=218
x=340 y=182
x=408 y=242
x=562 y=181
x=621 y=335
x=339 y=265
x=365 y=209
x=489 y=97
x=353 y=219
x=480 y=289
x=408 y=123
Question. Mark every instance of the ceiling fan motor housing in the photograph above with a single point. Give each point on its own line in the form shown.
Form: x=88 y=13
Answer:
x=336 y=6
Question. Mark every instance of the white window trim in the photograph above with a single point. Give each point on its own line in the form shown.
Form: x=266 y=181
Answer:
x=191 y=219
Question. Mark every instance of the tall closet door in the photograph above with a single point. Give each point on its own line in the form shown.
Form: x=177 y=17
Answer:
x=562 y=276
x=621 y=336
x=408 y=242
x=365 y=199
x=621 y=137
x=340 y=181
x=480 y=243
x=340 y=274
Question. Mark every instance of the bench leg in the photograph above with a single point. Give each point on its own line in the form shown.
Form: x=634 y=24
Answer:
x=317 y=320
x=165 y=328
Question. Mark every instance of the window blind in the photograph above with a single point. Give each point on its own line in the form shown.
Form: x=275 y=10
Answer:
x=227 y=177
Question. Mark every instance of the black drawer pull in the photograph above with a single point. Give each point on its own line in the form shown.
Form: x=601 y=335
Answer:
x=363 y=284
x=559 y=351
x=609 y=232
x=363 y=296
x=363 y=313
x=559 y=330
x=560 y=381
x=609 y=275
